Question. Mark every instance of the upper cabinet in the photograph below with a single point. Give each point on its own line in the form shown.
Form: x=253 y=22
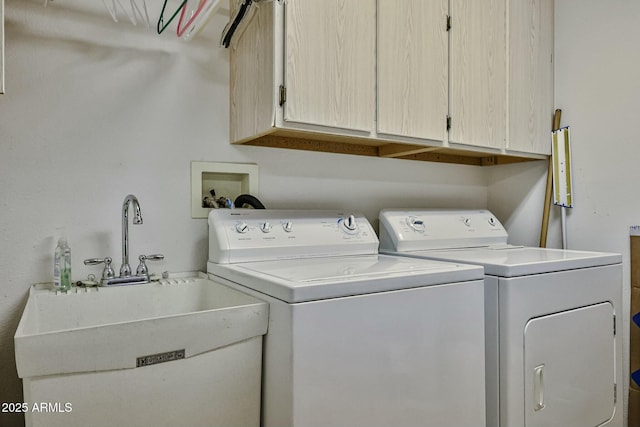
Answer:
x=305 y=66
x=329 y=69
x=530 y=76
x=477 y=52
x=412 y=69
x=444 y=80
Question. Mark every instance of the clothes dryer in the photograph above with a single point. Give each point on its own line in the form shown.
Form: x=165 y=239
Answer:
x=554 y=348
x=355 y=338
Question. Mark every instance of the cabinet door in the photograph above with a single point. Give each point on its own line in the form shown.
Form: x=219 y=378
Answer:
x=477 y=102
x=412 y=68
x=530 y=75
x=330 y=63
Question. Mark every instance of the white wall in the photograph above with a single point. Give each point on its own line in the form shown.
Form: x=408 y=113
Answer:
x=597 y=86
x=96 y=110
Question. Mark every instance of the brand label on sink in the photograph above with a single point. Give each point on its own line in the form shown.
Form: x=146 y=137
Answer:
x=159 y=358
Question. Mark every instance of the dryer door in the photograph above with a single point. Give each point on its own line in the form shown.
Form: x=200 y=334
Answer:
x=569 y=368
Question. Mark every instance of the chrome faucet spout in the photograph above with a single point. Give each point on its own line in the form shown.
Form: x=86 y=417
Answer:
x=125 y=270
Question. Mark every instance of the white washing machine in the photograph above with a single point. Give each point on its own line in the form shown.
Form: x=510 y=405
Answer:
x=554 y=350
x=355 y=338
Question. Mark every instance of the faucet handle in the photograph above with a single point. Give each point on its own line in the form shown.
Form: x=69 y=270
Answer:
x=108 y=272
x=142 y=269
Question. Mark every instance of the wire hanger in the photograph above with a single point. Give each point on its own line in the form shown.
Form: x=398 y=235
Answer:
x=198 y=18
x=194 y=14
x=161 y=25
x=136 y=11
x=113 y=10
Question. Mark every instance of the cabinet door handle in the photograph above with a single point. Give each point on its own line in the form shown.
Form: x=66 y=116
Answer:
x=538 y=388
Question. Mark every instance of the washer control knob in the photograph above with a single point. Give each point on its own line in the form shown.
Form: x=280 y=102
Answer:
x=350 y=223
x=242 y=227
x=492 y=221
x=288 y=226
x=265 y=227
x=467 y=222
x=416 y=223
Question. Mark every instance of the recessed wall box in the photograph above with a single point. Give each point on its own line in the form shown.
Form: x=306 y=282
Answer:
x=227 y=179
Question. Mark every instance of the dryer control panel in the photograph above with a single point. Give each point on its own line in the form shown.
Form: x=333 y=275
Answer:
x=415 y=229
x=242 y=235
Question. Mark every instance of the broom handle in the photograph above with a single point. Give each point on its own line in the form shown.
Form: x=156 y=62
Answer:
x=549 y=188
x=556 y=119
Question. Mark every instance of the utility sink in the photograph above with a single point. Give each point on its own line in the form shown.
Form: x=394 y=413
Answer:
x=101 y=329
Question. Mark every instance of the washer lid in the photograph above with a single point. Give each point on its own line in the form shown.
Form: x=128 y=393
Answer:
x=513 y=261
x=298 y=280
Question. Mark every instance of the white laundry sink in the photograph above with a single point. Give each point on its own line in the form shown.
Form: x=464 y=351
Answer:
x=100 y=329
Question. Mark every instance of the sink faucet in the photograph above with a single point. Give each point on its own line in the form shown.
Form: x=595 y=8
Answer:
x=125 y=270
x=142 y=272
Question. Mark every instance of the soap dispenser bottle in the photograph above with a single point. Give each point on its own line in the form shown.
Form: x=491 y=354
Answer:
x=62 y=266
